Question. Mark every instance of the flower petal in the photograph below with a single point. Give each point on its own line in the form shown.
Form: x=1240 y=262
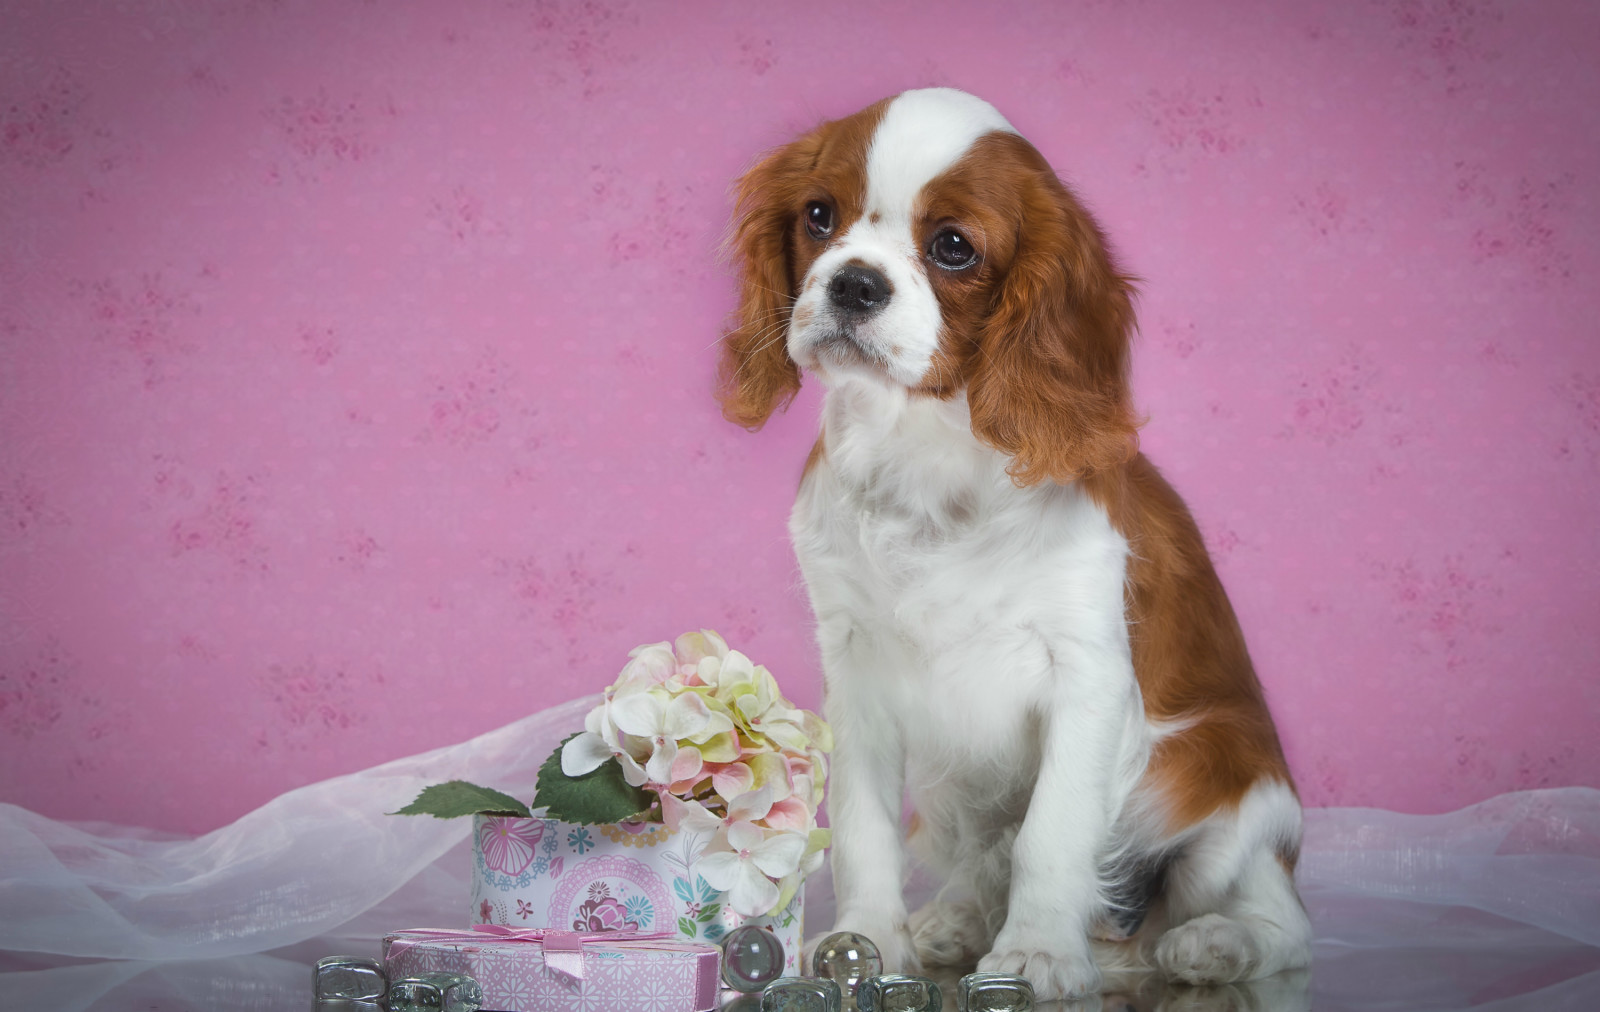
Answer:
x=651 y=664
x=717 y=722
x=750 y=806
x=753 y=894
x=786 y=890
x=720 y=870
x=720 y=748
x=598 y=721
x=791 y=813
x=641 y=713
x=692 y=647
x=786 y=734
x=659 y=768
x=686 y=715
x=632 y=772
x=732 y=676
x=732 y=779
x=686 y=765
x=780 y=855
x=584 y=754
x=674 y=809
x=693 y=817
x=749 y=706
x=803 y=789
x=745 y=836
x=772 y=773
x=818 y=730
x=708 y=671
x=810 y=863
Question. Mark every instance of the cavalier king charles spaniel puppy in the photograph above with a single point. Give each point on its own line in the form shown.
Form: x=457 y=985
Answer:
x=1018 y=620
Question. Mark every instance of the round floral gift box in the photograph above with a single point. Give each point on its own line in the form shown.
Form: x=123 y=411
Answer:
x=543 y=873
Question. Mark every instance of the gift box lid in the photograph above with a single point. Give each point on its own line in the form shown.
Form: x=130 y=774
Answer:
x=547 y=970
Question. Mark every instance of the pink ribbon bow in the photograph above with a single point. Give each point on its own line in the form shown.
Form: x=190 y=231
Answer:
x=563 y=950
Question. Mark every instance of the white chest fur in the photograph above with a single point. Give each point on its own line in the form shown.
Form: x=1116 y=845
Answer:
x=965 y=605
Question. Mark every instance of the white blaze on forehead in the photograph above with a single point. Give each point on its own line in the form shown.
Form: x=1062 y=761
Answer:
x=921 y=135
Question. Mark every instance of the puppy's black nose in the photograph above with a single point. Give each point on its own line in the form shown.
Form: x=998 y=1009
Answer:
x=859 y=290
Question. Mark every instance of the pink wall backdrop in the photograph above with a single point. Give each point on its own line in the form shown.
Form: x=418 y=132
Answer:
x=356 y=358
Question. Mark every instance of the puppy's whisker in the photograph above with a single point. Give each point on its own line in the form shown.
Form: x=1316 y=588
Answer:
x=779 y=323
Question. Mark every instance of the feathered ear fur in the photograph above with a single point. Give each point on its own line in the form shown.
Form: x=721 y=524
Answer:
x=1050 y=385
x=756 y=375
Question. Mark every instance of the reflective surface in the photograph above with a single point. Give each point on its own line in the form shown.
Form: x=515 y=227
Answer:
x=1422 y=961
x=1546 y=978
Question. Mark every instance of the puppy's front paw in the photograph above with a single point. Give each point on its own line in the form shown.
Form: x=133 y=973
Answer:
x=1055 y=975
x=949 y=934
x=894 y=944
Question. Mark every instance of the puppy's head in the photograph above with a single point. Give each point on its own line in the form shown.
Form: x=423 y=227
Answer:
x=921 y=245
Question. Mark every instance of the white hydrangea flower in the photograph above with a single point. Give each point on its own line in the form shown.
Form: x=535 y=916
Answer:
x=733 y=762
x=662 y=721
x=748 y=863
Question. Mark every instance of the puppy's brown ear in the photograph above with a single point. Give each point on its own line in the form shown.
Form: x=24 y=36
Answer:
x=756 y=375
x=1049 y=386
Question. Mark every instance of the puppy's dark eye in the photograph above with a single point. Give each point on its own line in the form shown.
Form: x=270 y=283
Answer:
x=819 y=219
x=951 y=250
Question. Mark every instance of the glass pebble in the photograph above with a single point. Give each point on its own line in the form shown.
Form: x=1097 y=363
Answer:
x=458 y=992
x=350 y=977
x=898 y=992
x=994 y=992
x=415 y=995
x=752 y=958
x=847 y=959
x=801 y=994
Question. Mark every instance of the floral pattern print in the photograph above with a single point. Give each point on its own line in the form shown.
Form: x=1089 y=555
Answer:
x=601 y=912
x=508 y=844
x=700 y=909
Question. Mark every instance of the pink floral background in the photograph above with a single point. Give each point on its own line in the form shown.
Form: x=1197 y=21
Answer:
x=356 y=358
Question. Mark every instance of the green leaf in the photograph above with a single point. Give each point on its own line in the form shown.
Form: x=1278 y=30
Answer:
x=457 y=798
x=599 y=796
x=685 y=927
x=709 y=913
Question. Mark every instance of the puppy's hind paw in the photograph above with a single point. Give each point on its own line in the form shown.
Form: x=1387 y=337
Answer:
x=1211 y=949
x=949 y=934
x=1055 y=976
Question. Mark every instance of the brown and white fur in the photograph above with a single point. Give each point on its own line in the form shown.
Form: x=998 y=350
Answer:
x=1018 y=619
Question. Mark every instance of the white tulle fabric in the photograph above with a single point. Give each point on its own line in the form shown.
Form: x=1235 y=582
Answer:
x=1531 y=858
x=302 y=865
x=323 y=868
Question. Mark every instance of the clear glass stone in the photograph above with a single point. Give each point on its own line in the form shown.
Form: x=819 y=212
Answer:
x=994 y=992
x=415 y=995
x=847 y=959
x=801 y=994
x=898 y=992
x=459 y=993
x=353 y=978
x=752 y=958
